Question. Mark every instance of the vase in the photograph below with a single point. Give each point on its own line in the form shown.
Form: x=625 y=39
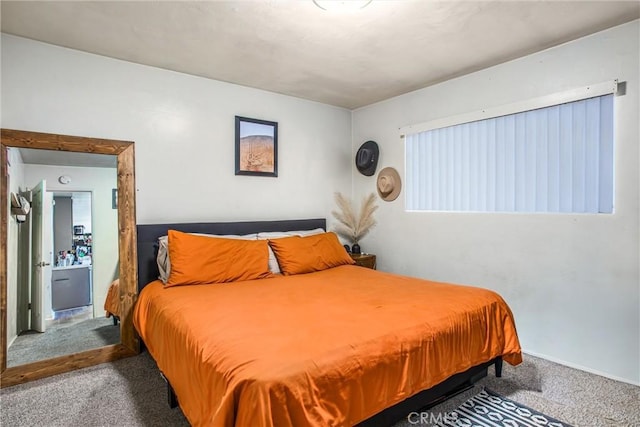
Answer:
x=355 y=249
x=347 y=248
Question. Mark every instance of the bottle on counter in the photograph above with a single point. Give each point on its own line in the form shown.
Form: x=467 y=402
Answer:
x=69 y=257
x=61 y=257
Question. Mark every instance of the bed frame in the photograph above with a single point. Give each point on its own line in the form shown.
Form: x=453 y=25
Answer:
x=148 y=271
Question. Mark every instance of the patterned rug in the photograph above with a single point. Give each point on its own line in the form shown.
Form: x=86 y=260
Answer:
x=488 y=408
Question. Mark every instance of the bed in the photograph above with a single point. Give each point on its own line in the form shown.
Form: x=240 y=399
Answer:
x=343 y=345
x=112 y=301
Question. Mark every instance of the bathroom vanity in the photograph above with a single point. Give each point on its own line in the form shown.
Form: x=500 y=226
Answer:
x=71 y=287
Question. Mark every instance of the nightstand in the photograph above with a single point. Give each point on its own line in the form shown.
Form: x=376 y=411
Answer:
x=365 y=260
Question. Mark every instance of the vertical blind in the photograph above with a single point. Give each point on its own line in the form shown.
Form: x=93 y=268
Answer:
x=553 y=159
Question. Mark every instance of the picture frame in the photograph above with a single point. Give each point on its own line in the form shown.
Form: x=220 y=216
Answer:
x=256 y=147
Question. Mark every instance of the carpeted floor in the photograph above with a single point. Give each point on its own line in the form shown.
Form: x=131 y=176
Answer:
x=61 y=339
x=130 y=392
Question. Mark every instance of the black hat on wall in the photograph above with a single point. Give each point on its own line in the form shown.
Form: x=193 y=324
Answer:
x=367 y=158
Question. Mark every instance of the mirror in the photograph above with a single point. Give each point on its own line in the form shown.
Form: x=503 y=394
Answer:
x=68 y=286
x=79 y=254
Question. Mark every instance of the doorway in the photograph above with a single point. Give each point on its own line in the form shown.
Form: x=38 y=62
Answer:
x=72 y=275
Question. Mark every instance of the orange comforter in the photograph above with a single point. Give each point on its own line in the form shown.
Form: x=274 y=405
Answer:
x=330 y=348
x=112 y=302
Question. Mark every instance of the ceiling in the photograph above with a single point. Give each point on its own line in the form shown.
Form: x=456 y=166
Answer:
x=295 y=48
x=67 y=158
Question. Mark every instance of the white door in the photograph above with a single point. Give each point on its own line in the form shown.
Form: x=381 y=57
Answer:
x=42 y=256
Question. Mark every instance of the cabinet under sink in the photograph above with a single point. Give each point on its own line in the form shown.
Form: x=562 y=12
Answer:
x=71 y=287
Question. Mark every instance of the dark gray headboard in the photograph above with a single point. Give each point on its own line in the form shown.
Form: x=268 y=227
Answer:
x=148 y=237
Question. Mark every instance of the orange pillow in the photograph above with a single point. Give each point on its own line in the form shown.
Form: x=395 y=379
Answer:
x=199 y=259
x=298 y=254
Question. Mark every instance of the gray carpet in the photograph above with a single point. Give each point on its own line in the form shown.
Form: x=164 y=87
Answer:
x=63 y=339
x=130 y=392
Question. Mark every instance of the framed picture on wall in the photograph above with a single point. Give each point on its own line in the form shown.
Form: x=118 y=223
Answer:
x=256 y=147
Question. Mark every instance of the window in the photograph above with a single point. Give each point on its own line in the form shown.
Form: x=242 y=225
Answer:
x=558 y=158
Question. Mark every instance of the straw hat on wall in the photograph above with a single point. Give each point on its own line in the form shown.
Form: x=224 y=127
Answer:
x=389 y=184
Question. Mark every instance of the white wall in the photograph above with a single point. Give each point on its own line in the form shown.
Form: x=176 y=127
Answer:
x=571 y=280
x=183 y=128
x=100 y=181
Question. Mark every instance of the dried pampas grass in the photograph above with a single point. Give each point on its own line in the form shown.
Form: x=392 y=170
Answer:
x=351 y=226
